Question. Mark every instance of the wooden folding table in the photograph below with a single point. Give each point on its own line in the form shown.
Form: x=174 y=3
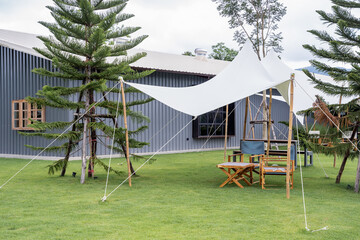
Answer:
x=239 y=168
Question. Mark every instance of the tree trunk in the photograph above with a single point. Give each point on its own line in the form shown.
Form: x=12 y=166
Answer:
x=92 y=139
x=357 y=177
x=86 y=120
x=342 y=167
x=83 y=154
x=131 y=166
x=68 y=150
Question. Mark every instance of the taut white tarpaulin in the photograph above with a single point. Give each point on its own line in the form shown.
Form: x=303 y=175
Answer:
x=244 y=77
x=304 y=91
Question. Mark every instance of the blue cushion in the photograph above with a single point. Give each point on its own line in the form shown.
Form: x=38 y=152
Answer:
x=293 y=152
x=252 y=147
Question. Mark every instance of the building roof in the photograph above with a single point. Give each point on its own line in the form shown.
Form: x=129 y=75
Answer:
x=25 y=42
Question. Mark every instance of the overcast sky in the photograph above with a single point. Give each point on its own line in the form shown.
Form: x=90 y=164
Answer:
x=176 y=26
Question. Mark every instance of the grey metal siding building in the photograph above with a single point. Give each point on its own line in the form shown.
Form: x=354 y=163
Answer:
x=17 y=82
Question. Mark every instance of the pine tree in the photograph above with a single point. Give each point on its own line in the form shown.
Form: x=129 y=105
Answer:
x=80 y=52
x=343 y=47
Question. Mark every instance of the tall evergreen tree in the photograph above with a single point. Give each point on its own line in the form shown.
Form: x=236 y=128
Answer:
x=79 y=51
x=256 y=20
x=342 y=47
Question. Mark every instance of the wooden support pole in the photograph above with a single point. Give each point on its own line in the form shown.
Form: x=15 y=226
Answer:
x=269 y=124
x=226 y=130
x=264 y=125
x=252 y=129
x=289 y=136
x=126 y=131
x=245 y=119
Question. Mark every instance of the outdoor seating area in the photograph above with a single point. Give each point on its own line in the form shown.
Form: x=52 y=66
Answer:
x=259 y=163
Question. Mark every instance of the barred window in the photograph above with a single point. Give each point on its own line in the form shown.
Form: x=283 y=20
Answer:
x=23 y=111
x=213 y=123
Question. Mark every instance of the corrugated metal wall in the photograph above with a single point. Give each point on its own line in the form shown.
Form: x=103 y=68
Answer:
x=17 y=82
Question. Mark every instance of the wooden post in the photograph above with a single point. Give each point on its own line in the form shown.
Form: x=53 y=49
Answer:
x=245 y=120
x=226 y=130
x=289 y=136
x=126 y=131
x=264 y=116
x=269 y=125
x=253 y=130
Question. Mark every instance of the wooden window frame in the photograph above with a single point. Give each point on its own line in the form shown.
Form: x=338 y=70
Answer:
x=24 y=115
x=196 y=126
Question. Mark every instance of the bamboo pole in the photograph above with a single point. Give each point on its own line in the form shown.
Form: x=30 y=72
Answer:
x=269 y=124
x=126 y=131
x=245 y=120
x=253 y=130
x=289 y=136
x=226 y=130
x=264 y=125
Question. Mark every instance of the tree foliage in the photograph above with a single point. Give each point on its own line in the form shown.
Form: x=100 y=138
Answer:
x=341 y=46
x=222 y=52
x=256 y=20
x=188 y=53
x=79 y=50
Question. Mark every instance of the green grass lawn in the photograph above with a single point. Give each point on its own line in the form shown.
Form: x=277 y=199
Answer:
x=176 y=197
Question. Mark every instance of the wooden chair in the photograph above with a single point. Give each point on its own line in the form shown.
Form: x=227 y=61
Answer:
x=255 y=149
x=276 y=166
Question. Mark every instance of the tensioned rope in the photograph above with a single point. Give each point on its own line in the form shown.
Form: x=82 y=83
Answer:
x=27 y=164
x=113 y=140
x=337 y=127
x=159 y=131
x=317 y=154
x=209 y=137
x=105 y=197
x=302 y=183
x=281 y=132
x=301 y=177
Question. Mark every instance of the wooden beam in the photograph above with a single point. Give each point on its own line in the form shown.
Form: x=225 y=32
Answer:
x=245 y=120
x=269 y=125
x=289 y=136
x=126 y=131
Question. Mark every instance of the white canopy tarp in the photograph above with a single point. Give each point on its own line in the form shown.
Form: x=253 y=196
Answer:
x=304 y=91
x=243 y=77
